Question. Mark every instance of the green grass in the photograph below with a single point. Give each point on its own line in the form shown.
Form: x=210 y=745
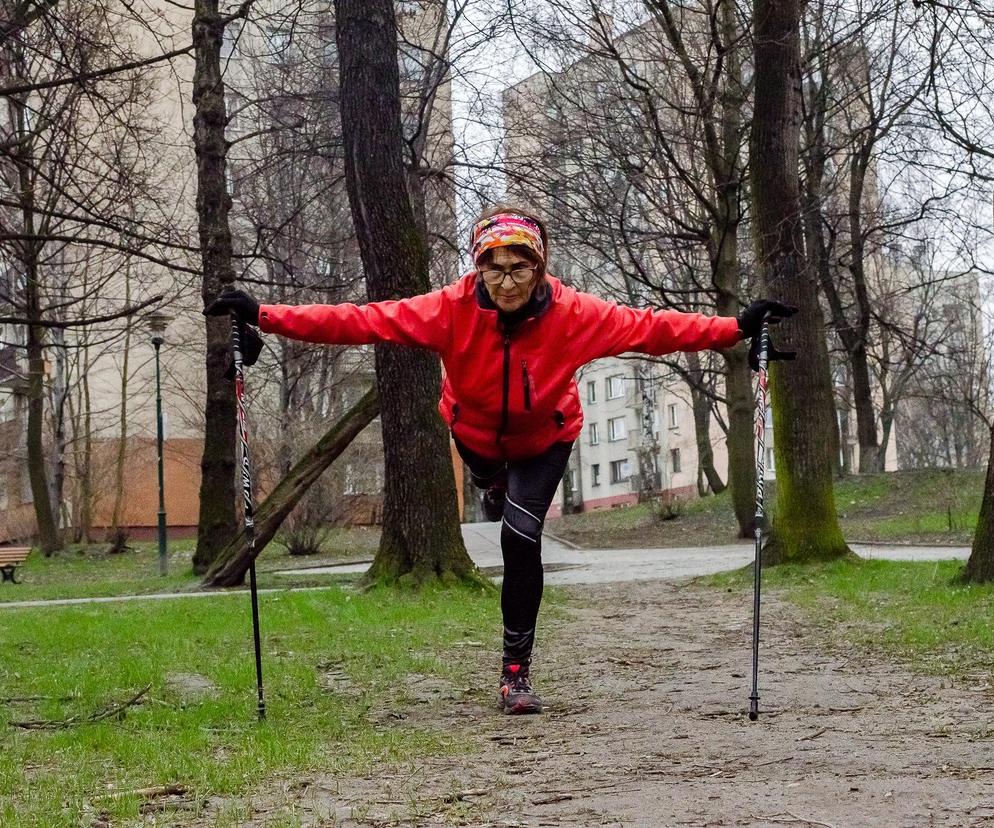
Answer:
x=919 y=506
x=335 y=661
x=915 y=611
x=85 y=572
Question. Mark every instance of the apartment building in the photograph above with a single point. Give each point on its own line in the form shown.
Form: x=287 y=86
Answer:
x=100 y=381
x=572 y=148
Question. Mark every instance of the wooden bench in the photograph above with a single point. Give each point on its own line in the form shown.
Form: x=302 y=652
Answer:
x=12 y=557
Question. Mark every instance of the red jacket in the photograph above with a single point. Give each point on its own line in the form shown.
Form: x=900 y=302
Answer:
x=509 y=395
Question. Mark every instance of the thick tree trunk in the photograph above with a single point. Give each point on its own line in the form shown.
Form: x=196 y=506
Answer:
x=421 y=537
x=233 y=559
x=805 y=525
x=980 y=566
x=218 y=519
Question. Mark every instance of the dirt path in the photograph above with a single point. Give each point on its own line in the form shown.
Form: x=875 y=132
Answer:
x=652 y=732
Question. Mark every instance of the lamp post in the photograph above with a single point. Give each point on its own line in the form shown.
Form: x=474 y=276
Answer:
x=157 y=322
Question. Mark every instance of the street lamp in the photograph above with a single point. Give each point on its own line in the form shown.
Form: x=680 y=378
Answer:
x=157 y=321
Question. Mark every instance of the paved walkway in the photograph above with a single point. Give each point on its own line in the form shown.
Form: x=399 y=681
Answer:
x=564 y=564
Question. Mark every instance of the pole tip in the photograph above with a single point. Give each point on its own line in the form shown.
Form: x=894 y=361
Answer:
x=753 y=715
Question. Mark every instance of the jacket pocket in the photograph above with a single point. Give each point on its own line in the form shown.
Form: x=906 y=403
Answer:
x=559 y=417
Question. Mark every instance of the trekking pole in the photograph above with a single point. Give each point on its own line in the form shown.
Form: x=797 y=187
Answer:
x=236 y=347
x=757 y=567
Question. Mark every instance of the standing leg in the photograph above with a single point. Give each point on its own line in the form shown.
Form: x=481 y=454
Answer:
x=531 y=485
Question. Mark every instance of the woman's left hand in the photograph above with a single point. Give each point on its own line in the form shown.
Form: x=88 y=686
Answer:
x=751 y=318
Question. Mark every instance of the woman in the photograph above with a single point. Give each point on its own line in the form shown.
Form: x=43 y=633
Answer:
x=511 y=338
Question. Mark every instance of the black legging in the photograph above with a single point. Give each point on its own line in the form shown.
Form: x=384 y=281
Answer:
x=531 y=485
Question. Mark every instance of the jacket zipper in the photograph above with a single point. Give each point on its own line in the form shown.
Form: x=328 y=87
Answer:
x=506 y=387
x=524 y=381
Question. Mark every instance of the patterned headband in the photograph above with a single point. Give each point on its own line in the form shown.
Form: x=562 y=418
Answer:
x=505 y=229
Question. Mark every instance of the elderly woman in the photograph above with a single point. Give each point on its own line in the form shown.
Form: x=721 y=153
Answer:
x=511 y=338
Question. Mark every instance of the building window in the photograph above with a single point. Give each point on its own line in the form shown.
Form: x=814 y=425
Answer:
x=620 y=471
x=594 y=436
x=672 y=412
x=4 y=497
x=592 y=391
x=595 y=474
x=675 y=459
x=616 y=429
x=770 y=464
x=615 y=387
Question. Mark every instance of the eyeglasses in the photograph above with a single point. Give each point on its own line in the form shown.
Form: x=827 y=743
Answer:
x=520 y=275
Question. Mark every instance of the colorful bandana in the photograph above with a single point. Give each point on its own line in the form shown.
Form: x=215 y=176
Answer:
x=506 y=229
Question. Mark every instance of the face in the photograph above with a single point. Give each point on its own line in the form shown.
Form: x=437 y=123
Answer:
x=508 y=296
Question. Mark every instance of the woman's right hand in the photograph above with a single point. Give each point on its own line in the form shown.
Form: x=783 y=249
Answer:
x=237 y=302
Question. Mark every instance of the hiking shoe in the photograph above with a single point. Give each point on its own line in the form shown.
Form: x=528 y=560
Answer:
x=493 y=502
x=516 y=695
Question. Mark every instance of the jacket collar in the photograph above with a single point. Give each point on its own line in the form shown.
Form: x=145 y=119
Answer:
x=536 y=306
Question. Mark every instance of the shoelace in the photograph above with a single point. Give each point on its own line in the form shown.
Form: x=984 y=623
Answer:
x=520 y=684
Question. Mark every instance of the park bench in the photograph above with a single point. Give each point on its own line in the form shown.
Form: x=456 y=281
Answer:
x=12 y=557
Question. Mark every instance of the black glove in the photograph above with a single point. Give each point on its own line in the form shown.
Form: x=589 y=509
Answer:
x=246 y=310
x=772 y=354
x=237 y=302
x=251 y=346
x=751 y=319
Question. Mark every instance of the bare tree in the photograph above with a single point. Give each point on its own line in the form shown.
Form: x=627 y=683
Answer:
x=805 y=525
x=421 y=538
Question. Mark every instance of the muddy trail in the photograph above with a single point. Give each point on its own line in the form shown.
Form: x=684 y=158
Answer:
x=646 y=687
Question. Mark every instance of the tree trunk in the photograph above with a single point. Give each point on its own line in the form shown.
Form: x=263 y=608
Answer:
x=805 y=525
x=233 y=559
x=86 y=473
x=701 y=406
x=218 y=519
x=866 y=420
x=727 y=278
x=421 y=538
x=122 y=443
x=48 y=534
x=980 y=566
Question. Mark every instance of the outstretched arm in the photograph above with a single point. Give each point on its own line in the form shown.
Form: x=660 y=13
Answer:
x=610 y=329
x=420 y=321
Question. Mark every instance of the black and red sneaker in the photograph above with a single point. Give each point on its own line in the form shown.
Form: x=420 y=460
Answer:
x=516 y=695
x=493 y=501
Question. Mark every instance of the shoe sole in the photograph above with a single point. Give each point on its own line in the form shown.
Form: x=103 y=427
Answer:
x=519 y=709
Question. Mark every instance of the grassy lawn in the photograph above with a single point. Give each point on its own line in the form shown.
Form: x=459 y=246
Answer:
x=81 y=572
x=913 y=611
x=336 y=664
x=922 y=506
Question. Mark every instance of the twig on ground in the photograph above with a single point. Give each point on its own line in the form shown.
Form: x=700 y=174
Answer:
x=148 y=793
x=786 y=816
x=548 y=800
x=97 y=716
x=460 y=795
x=814 y=735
